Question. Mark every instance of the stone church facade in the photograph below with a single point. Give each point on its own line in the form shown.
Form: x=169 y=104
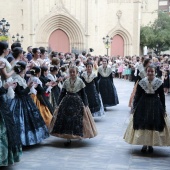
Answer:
x=77 y=25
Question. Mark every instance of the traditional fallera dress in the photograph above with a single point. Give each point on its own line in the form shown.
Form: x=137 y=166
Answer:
x=10 y=144
x=47 y=89
x=72 y=119
x=106 y=87
x=92 y=91
x=55 y=91
x=38 y=96
x=149 y=125
x=28 y=119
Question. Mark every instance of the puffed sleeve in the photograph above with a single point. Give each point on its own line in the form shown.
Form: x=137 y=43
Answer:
x=20 y=90
x=40 y=90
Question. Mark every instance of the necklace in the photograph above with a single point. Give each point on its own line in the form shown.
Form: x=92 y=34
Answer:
x=72 y=82
x=88 y=75
x=104 y=68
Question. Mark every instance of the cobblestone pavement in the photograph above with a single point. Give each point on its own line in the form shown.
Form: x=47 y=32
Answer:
x=107 y=151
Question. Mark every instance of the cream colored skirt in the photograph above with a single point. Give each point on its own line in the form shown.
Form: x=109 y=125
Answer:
x=89 y=127
x=148 y=137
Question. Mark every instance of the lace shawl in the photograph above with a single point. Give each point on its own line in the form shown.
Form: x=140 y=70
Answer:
x=21 y=81
x=150 y=87
x=88 y=78
x=105 y=72
x=78 y=85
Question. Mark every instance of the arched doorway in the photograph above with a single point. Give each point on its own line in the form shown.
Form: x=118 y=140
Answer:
x=117 y=46
x=59 y=41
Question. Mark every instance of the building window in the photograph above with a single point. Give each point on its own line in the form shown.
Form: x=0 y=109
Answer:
x=22 y=25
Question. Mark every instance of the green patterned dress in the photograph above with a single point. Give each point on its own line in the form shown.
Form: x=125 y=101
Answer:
x=10 y=145
x=7 y=155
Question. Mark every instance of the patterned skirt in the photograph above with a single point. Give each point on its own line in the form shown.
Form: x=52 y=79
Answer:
x=30 y=124
x=8 y=155
x=72 y=120
x=45 y=112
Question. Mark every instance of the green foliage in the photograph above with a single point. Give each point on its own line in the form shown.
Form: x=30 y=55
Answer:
x=157 y=35
x=4 y=38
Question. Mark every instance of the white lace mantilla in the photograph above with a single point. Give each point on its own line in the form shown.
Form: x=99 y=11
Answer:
x=88 y=78
x=35 y=80
x=150 y=87
x=21 y=81
x=51 y=77
x=105 y=72
x=74 y=88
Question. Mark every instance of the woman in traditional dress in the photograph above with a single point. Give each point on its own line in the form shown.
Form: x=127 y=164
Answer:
x=27 y=117
x=55 y=91
x=7 y=71
x=10 y=144
x=72 y=118
x=46 y=83
x=149 y=125
x=38 y=96
x=140 y=74
x=106 y=86
x=92 y=91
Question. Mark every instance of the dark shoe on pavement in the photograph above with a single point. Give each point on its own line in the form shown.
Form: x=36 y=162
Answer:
x=68 y=143
x=150 y=149
x=144 y=149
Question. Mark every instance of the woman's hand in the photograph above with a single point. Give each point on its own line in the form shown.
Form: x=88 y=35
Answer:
x=10 y=84
x=30 y=84
x=49 y=83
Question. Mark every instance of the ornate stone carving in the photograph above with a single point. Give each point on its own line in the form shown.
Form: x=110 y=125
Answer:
x=119 y=14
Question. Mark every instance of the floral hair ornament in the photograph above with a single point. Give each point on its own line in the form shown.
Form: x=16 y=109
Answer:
x=18 y=67
x=32 y=70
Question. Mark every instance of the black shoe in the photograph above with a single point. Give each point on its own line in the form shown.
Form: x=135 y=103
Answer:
x=150 y=149
x=144 y=149
x=105 y=109
x=68 y=143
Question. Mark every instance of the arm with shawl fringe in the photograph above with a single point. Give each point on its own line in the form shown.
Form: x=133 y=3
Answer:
x=98 y=76
x=162 y=96
x=111 y=77
x=62 y=94
x=137 y=96
x=96 y=84
x=83 y=96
